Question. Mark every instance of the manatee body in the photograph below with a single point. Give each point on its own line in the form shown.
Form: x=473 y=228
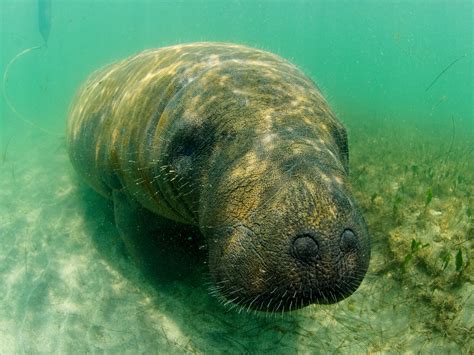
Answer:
x=239 y=143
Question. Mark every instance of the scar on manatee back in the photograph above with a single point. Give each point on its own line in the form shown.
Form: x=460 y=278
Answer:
x=232 y=148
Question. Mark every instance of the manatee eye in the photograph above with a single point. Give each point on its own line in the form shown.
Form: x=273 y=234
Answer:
x=186 y=142
x=191 y=141
x=186 y=149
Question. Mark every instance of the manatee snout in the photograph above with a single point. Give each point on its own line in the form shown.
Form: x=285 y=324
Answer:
x=291 y=253
x=303 y=269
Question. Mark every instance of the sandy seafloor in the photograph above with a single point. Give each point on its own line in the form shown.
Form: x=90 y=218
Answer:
x=67 y=284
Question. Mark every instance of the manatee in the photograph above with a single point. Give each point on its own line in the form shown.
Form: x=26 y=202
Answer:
x=239 y=145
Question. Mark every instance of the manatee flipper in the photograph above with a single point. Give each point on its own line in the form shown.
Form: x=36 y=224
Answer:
x=163 y=249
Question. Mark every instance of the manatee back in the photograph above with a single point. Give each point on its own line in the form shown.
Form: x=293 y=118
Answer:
x=119 y=125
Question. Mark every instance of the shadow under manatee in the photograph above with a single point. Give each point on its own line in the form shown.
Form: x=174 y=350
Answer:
x=203 y=322
x=159 y=263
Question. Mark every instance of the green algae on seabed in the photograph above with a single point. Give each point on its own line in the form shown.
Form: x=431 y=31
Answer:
x=420 y=208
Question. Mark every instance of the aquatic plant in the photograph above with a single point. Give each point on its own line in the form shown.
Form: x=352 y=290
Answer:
x=5 y=150
x=420 y=209
x=429 y=196
x=415 y=247
x=444 y=71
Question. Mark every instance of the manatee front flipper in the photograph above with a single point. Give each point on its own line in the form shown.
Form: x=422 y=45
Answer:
x=162 y=248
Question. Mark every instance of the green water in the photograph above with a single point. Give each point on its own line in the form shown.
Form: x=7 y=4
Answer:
x=68 y=285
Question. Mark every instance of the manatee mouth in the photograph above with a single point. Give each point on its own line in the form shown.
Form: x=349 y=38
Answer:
x=309 y=272
x=292 y=296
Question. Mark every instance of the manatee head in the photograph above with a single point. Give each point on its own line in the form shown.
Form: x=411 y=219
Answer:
x=282 y=227
x=274 y=205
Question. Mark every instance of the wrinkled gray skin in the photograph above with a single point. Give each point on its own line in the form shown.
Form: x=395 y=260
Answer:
x=238 y=143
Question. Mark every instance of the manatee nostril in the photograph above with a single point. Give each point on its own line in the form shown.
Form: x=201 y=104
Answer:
x=348 y=241
x=305 y=247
